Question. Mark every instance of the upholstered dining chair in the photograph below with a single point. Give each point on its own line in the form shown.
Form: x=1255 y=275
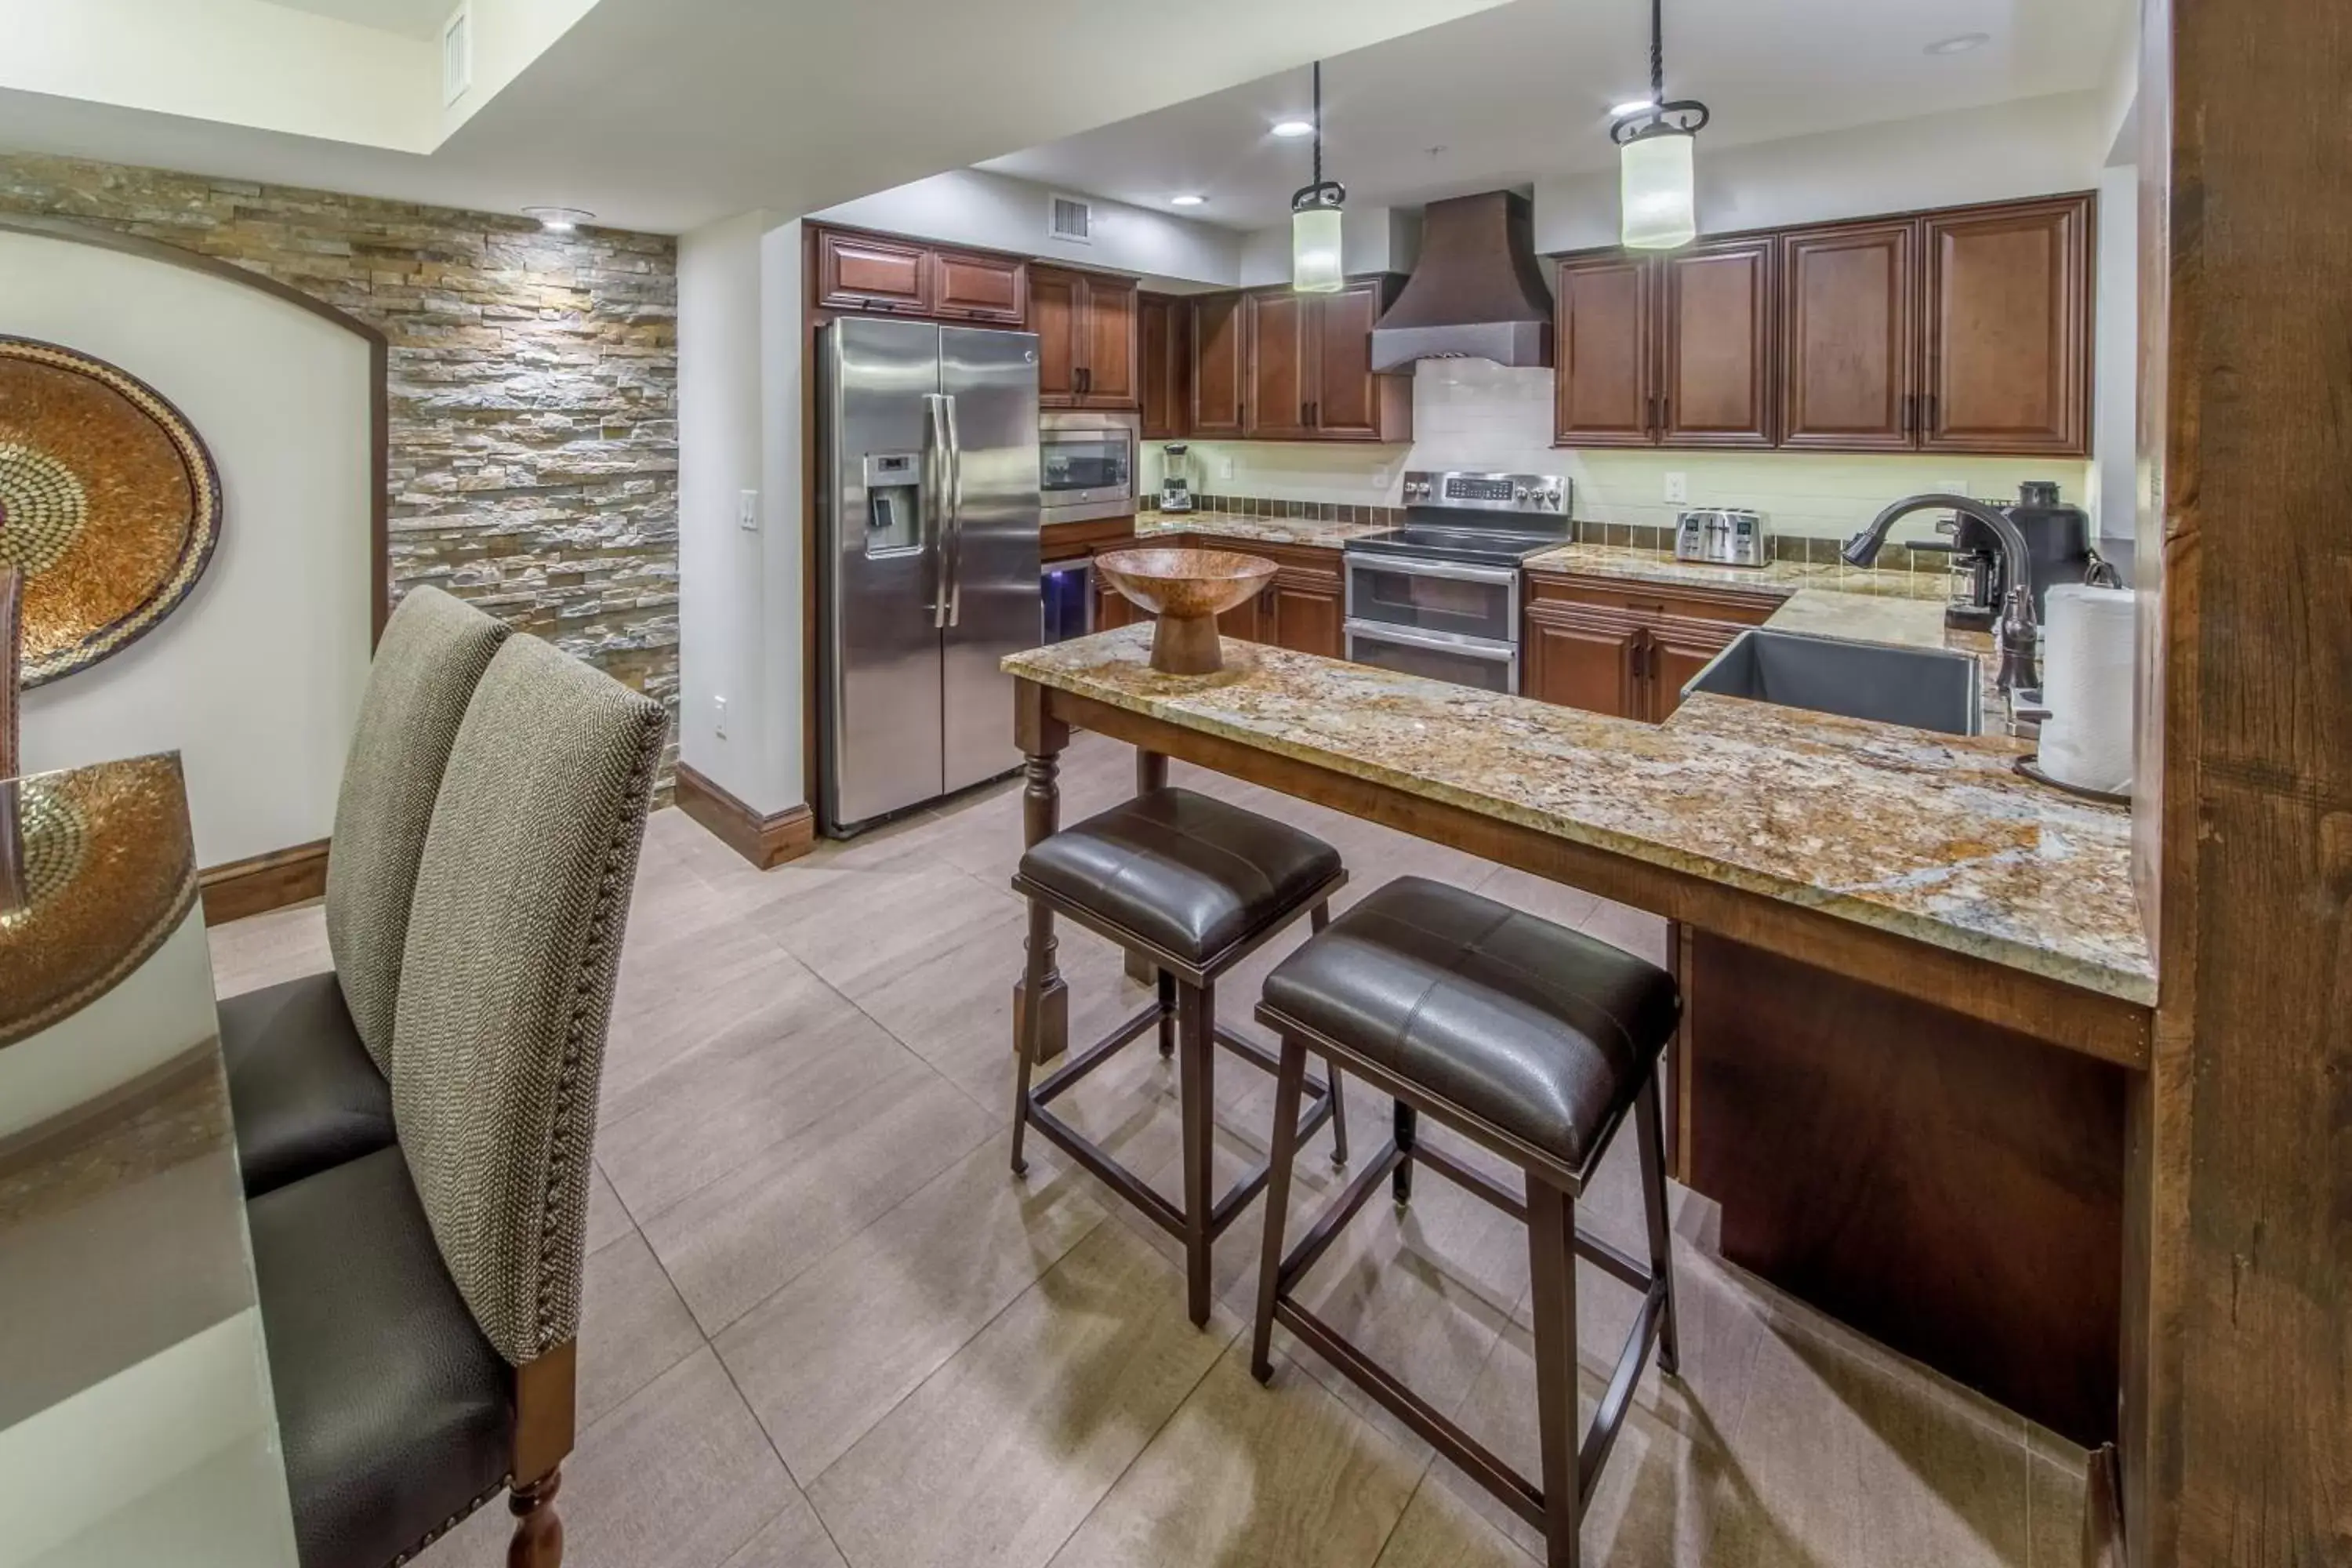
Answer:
x=421 y=1303
x=309 y=1061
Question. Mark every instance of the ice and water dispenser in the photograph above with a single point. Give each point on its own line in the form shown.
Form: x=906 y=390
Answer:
x=893 y=503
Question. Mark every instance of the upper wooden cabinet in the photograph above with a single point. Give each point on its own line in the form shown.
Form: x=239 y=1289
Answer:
x=1850 y=311
x=1667 y=349
x=1219 y=357
x=2007 y=342
x=1960 y=331
x=877 y=272
x=1310 y=375
x=1086 y=326
x=1164 y=368
x=1275 y=404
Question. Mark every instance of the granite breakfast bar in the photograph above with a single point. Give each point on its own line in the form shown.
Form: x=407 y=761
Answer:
x=1916 y=982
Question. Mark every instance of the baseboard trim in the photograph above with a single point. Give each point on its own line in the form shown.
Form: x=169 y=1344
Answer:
x=263 y=882
x=764 y=841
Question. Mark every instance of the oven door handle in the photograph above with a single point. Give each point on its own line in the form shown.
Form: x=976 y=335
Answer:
x=1412 y=567
x=1441 y=642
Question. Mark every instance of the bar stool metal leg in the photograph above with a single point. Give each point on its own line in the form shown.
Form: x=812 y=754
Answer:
x=1407 y=1123
x=1649 y=1124
x=1551 y=1261
x=1167 y=1012
x=1196 y=1022
x=1287 y=1086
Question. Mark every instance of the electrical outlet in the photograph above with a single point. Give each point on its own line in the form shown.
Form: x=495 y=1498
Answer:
x=1677 y=488
x=747 y=511
x=718 y=706
x=1224 y=467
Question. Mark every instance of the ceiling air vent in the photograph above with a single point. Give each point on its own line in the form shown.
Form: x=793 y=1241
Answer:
x=1072 y=219
x=456 y=54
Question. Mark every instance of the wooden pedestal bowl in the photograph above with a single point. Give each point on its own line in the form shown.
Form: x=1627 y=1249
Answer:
x=1188 y=590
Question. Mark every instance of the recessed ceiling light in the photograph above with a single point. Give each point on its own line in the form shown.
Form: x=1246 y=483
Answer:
x=1186 y=200
x=1634 y=106
x=1960 y=44
x=559 y=220
x=1294 y=128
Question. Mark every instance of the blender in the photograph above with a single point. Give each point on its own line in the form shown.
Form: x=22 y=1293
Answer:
x=1176 y=476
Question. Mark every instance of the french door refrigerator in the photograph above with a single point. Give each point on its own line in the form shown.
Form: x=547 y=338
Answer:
x=928 y=562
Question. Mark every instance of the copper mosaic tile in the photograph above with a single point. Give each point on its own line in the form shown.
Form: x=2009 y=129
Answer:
x=109 y=505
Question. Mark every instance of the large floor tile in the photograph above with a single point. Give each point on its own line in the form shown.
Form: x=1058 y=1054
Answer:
x=794 y=1538
x=679 y=1477
x=864 y=929
x=608 y=1221
x=633 y=1327
x=829 y=1355
x=1247 y=1477
x=995 y=1459
x=734 y=1242
x=1440 y=1531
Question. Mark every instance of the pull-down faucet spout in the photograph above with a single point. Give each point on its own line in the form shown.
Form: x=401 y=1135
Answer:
x=2019 y=634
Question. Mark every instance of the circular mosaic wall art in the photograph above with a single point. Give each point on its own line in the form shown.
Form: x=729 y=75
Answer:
x=109 y=505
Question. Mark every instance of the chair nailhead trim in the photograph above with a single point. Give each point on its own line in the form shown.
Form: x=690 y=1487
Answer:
x=450 y=1524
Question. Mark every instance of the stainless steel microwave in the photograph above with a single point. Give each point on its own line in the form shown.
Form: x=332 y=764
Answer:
x=1086 y=466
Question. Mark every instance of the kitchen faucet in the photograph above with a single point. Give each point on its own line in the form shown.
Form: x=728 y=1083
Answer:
x=2018 y=633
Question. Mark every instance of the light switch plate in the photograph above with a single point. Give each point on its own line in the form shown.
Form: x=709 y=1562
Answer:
x=718 y=706
x=747 y=511
x=1677 y=488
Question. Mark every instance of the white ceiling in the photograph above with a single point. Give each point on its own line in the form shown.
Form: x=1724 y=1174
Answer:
x=1523 y=92
x=410 y=18
x=667 y=114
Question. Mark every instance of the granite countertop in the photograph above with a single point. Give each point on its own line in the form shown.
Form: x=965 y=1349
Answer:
x=1926 y=835
x=1779 y=578
x=1300 y=530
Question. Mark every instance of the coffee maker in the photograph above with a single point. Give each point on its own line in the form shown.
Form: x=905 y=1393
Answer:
x=2058 y=548
x=1175 y=477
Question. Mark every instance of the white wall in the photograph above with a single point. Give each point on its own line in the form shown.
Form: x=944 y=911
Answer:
x=255 y=678
x=2034 y=147
x=1471 y=413
x=1372 y=239
x=997 y=212
x=2115 y=355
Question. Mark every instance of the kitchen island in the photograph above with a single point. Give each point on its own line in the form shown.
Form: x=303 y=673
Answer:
x=1918 y=982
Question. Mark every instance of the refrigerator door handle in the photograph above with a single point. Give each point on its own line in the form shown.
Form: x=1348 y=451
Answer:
x=935 y=449
x=955 y=512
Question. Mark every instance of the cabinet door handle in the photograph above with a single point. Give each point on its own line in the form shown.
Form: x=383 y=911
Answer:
x=1666 y=412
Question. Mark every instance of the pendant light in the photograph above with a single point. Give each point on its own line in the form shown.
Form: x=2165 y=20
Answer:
x=1315 y=253
x=1658 y=182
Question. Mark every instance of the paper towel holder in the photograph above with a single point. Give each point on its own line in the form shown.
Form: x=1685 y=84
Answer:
x=2030 y=766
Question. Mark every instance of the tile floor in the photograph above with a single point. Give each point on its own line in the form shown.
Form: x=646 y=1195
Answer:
x=825 y=1324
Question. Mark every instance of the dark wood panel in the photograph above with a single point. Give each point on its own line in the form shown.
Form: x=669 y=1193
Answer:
x=2007 y=313
x=1279 y=365
x=1220 y=365
x=1951 y=1189
x=1849 y=376
x=1581 y=657
x=1055 y=315
x=1107 y=337
x=1677 y=649
x=1162 y=335
x=868 y=272
x=763 y=840
x=1062 y=541
x=973 y=286
x=1304 y=613
x=261 y=883
x=1602 y=334
x=1716 y=353
x=1350 y=402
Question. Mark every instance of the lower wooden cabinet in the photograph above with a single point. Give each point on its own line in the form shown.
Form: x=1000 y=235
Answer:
x=1300 y=608
x=1627 y=649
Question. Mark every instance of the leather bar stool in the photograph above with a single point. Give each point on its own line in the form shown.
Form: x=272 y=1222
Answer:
x=1533 y=1042
x=1192 y=886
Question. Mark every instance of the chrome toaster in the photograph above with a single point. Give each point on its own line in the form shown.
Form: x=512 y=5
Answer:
x=1723 y=536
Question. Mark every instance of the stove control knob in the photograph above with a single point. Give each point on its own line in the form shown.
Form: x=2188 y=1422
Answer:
x=1519 y=493
x=1551 y=497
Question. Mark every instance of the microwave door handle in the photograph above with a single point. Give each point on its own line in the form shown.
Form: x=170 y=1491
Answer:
x=955 y=512
x=933 y=495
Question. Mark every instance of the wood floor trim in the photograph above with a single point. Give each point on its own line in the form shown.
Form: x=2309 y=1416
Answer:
x=763 y=841
x=261 y=883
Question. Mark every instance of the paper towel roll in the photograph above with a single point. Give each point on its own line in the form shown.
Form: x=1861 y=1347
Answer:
x=2086 y=683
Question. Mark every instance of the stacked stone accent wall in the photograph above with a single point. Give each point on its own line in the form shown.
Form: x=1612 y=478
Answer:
x=533 y=388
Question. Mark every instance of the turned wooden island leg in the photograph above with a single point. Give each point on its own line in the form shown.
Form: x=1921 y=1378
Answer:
x=1042 y=739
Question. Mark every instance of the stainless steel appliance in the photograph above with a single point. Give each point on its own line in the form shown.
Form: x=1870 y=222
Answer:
x=2057 y=545
x=1723 y=536
x=1086 y=466
x=1440 y=597
x=1069 y=592
x=1176 y=476
x=928 y=566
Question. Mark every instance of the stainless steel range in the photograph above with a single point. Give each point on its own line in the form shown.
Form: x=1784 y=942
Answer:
x=1440 y=597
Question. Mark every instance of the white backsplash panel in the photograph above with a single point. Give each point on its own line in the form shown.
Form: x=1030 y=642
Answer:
x=1473 y=414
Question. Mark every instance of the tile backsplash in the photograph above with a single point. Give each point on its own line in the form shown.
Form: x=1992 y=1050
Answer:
x=1470 y=413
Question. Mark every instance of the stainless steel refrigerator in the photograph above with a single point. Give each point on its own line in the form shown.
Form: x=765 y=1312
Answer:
x=926 y=561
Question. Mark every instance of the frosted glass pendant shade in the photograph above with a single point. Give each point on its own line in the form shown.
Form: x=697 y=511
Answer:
x=1315 y=266
x=1659 y=192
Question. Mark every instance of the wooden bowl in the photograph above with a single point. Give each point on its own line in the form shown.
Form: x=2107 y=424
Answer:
x=1188 y=590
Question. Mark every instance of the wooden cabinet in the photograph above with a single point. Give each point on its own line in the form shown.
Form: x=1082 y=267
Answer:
x=1163 y=349
x=1625 y=648
x=1309 y=374
x=1673 y=350
x=1276 y=402
x=1849 y=318
x=971 y=285
x=2007 y=329
x=1086 y=326
x=1967 y=330
x=1220 y=365
x=879 y=272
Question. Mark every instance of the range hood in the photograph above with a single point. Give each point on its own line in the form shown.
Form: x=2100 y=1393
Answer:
x=1477 y=292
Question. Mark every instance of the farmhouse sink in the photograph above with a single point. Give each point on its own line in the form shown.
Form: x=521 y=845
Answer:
x=1927 y=688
